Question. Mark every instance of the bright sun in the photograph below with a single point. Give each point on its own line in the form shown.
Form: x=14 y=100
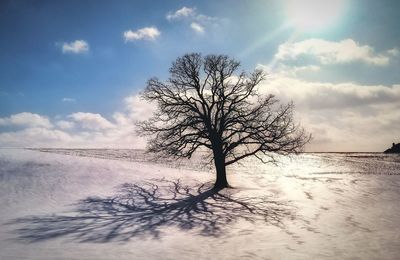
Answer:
x=313 y=15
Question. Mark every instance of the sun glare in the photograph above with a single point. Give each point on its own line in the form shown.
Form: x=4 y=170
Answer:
x=313 y=15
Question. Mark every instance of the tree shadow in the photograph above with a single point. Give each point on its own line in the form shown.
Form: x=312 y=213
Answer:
x=145 y=209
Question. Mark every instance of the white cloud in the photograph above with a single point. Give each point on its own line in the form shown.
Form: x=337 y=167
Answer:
x=208 y=19
x=65 y=124
x=191 y=14
x=120 y=136
x=139 y=109
x=330 y=52
x=66 y=99
x=393 y=52
x=180 y=13
x=283 y=69
x=146 y=33
x=343 y=116
x=197 y=28
x=35 y=137
x=319 y=95
x=84 y=130
x=198 y=22
x=77 y=46
x=91 y=121
x=26 y=119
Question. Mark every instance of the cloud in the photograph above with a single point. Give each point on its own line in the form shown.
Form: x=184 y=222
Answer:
x=198 y=22
x=139 y=109
x=35 y=137
x=287 y=70
x=77 y=46
x=191 y=14
x=330 y=52
x=202 y=18
x=68 y=99
x=322 y=95
x=197 y=28
x=146 y=33
x=82 y=130
x=393 y=52
x=343 y=116
x=91 y=121
x=180 y=13
x=26 y=119
x=65 y=124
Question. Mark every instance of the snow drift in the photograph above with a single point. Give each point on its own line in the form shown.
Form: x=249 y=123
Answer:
x=119 y=204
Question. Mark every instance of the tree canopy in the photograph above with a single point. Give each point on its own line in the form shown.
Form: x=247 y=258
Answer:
x=206 y=103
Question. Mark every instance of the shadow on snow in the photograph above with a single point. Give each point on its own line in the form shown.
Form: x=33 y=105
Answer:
x=144 y=209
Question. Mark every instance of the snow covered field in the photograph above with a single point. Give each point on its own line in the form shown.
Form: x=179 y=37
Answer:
x=118 y=204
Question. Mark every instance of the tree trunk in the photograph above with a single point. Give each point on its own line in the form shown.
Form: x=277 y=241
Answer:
x=221 y=181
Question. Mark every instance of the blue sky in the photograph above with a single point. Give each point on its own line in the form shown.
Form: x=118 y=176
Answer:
x=69 y=61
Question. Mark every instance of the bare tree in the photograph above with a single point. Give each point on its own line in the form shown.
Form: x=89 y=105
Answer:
x=204 y=104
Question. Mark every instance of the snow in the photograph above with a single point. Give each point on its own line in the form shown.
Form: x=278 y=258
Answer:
x=121 y=204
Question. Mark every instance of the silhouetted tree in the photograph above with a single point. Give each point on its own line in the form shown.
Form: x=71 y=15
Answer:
x=204 y=104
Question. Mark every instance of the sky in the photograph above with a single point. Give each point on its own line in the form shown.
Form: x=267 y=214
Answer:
x=71 y=72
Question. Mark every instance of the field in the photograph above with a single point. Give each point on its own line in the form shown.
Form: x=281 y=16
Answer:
x=124 y=204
